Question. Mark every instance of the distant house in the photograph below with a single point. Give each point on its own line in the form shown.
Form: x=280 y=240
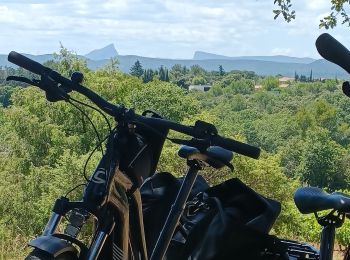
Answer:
x=285 y=81
x=199 y=87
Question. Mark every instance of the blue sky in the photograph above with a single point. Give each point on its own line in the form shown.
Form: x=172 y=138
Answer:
x=163 y=28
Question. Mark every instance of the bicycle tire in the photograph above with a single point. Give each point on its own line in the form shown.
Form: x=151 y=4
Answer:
x=38 y=254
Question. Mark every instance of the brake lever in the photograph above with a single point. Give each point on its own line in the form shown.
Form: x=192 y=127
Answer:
x=22 y=79
x=52 y=90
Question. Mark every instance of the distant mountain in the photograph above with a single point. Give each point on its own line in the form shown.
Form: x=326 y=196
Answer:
x=320 y=68
x=261 y=65
x=200 y=55
x=104 y=53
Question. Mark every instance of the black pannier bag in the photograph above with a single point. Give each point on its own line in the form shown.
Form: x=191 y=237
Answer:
x=158 y=194
x=226 y=221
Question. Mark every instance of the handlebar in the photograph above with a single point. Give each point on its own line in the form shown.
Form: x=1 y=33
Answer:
x=28 y=64
x=226 y=143
x=333 y=51
x=119 y=112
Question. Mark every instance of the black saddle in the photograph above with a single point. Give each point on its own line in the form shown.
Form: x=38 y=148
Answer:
x=312 y=199
x=215 y=156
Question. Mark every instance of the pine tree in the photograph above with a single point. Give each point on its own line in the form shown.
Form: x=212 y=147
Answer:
x=296 y=76
x=148 y=75
x=221 y=70
x=166 y=75
x=162 y=73
x=136 y=70
x=310 y=79
x=185 y=70
x=145 y=78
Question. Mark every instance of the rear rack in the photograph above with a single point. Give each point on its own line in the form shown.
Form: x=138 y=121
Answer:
x=298 y=250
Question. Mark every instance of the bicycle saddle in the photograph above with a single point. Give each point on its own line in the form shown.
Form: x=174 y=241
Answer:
x=215 y=156
x=312 y=199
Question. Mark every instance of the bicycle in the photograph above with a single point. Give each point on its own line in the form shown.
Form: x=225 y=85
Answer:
x=111 y=196
x=313 y=199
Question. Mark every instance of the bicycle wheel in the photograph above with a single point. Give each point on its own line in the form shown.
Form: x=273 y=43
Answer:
x=38 y=254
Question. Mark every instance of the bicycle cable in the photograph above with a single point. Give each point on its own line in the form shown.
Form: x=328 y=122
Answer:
x=96 y=109
x=89 y=157
x=93 y=125
x=71 y=190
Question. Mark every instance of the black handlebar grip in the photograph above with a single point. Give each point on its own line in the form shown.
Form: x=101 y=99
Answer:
x=236 y=146
x=26 y=63
x=333 y=51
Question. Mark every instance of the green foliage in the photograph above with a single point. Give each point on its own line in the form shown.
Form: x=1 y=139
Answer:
x=303 y=129
x=163 y=74
x=270 y=83
x=147 y=76
x=5 y=94
x=284 y=10
x=243 y=86
x=136 y=69
x=166 y=99
x=66 y=62
x=338 y=8
x=112 y=64
x=221 y=70
x=321 y=163
x=198 y=80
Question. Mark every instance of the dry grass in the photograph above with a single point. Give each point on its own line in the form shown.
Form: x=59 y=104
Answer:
x=14 y=249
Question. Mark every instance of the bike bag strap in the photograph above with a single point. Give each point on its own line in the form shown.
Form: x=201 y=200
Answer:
x=52 y=245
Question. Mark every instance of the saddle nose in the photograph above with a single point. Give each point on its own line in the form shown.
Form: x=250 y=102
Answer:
x=215 y=156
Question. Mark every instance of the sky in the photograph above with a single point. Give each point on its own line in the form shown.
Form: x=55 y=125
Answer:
x=163 y=28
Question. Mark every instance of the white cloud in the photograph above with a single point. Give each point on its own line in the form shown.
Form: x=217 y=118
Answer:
x=165 y=28
x=281 y=51
x=317 y=5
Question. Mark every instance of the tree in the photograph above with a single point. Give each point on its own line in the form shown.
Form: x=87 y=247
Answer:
x=198 y=80
x=243 y=86
x=296 y=76
x=5 y=94
x=147 y=75
x=310 y=78
x=270 y=83
x=66 y=62
x=176 y=73
x=112 y=64
x=321 y=162
x=221 y=71
x=330 y=21
x=197 y=70
x=166 y=75
x=168 y=100
x=136 y=70
x=163 y=74
x=303 y=78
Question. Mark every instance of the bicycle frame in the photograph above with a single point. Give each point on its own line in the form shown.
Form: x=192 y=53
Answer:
x=113 y=224
x=327 y=242
x=329 y=223
x=109 y=197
